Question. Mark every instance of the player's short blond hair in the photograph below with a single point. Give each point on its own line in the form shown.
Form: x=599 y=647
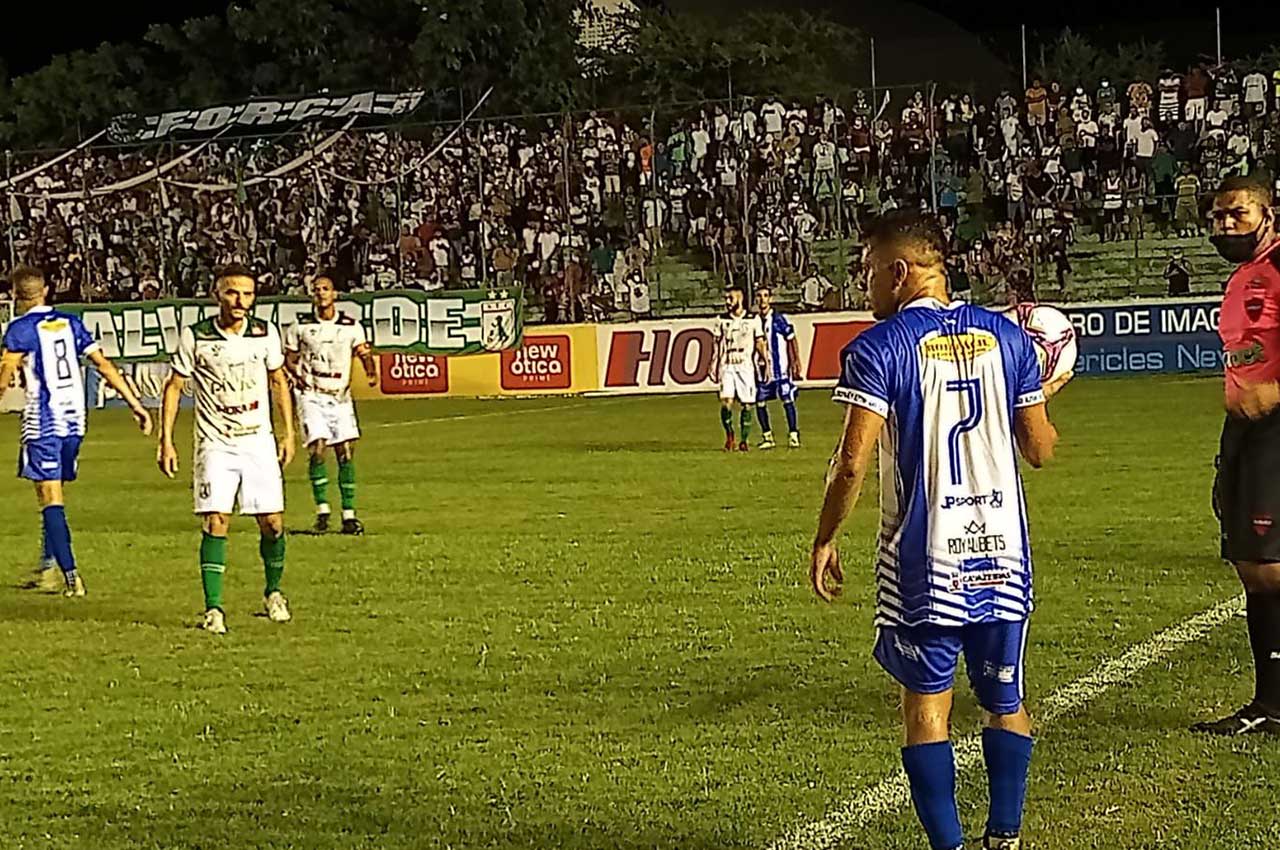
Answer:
x=28 y=283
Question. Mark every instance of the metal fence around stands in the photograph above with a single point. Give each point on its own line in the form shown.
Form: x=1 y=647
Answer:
x=97 y=254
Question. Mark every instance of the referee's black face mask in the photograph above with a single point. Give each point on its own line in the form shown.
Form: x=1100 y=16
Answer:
x=1239 y=248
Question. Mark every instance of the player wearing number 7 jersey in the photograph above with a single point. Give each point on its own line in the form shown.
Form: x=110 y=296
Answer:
x=48 y=345
x=950 y=392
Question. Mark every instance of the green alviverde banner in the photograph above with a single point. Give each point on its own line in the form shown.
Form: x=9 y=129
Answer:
x=448 y=323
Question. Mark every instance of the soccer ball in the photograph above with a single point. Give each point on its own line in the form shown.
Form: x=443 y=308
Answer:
x=1052 y=334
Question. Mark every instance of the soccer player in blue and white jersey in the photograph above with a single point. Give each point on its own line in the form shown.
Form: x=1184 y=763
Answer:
x=783 y=354
x=950 y=393
x=48 y=345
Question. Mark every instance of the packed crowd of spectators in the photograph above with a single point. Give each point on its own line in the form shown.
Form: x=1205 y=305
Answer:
x=576 y=208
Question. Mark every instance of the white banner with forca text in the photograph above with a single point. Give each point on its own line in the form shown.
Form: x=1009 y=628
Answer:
x=675 y=356
x=262 y=114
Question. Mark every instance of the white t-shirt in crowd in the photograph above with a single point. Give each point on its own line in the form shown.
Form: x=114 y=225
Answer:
x=1255 y=88
x=1145 y=142
x=1132 y=127
x=548 y=242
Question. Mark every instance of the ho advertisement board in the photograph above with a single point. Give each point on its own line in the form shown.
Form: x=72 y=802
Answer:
x=675 y=356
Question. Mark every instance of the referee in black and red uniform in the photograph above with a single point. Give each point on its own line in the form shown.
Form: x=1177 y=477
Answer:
x=1247 y=489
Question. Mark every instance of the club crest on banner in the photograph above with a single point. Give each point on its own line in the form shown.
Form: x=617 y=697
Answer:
x=498 y=326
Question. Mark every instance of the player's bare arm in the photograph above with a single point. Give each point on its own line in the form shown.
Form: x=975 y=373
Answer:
x=116 y=381
x=293 y=367
x=849 y=469
x=1035 y=434
x=762 y=350
x=10 y=363
x=1251 y=401
x=166 y=453
x=370 y=363
x=793 y=357
x=284 y=407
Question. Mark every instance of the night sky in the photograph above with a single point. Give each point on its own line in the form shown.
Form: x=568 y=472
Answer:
x=1186 y=28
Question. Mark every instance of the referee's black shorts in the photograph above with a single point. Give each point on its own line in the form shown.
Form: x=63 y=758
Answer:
x=1247 y=489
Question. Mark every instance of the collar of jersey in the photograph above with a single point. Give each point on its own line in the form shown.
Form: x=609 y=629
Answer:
x=226 y=334
x=929 y=303
x=1266 y=255
x=43 y=308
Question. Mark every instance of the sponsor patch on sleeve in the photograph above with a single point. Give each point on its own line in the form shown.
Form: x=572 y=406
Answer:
x=846 y=395
x=1030 y=399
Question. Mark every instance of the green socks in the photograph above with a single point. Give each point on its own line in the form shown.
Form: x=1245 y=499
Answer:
x=726 y=420
x=320 y=483
x=347 y=484
x=745 y=419
x=213 y=563
x=272 y=550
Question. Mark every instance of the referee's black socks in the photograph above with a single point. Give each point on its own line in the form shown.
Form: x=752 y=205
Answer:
x=1263 y=611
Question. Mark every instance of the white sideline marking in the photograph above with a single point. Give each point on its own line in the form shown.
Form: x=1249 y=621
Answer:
x=889 y=795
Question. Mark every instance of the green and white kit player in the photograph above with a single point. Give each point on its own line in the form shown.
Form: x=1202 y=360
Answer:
x=318 y=351
x=235 y=363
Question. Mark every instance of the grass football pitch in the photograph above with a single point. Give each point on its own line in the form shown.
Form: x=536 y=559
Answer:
x=577 y=624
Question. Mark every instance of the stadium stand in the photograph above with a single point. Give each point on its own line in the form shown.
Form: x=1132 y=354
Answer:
x=630 y=214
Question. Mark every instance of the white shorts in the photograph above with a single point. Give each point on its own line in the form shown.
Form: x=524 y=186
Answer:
x=738 y=383
x=249 y=471
x=1195 y=108
x=328 y=418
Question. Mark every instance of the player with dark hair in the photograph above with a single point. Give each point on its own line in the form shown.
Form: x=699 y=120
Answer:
x=1247 y=486
x=783 y=355
x=318 y=352
x=739 y=340
x=48 y=346
x=234 y=362
x=946 y=390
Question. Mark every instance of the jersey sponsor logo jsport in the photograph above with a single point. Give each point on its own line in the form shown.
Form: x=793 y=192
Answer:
x=994 y=499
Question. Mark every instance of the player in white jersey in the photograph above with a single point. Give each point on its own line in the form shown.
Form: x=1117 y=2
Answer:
x=739 y=341
x=783 y=356
x=947 y=390
x=318 y=349
x=48 y=346
x=235 y=364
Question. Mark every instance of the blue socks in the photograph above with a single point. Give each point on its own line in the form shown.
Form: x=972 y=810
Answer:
x=1008 y=756
x=57 y=540
x=762 y=413
x=790 y=408
x=931 y=768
